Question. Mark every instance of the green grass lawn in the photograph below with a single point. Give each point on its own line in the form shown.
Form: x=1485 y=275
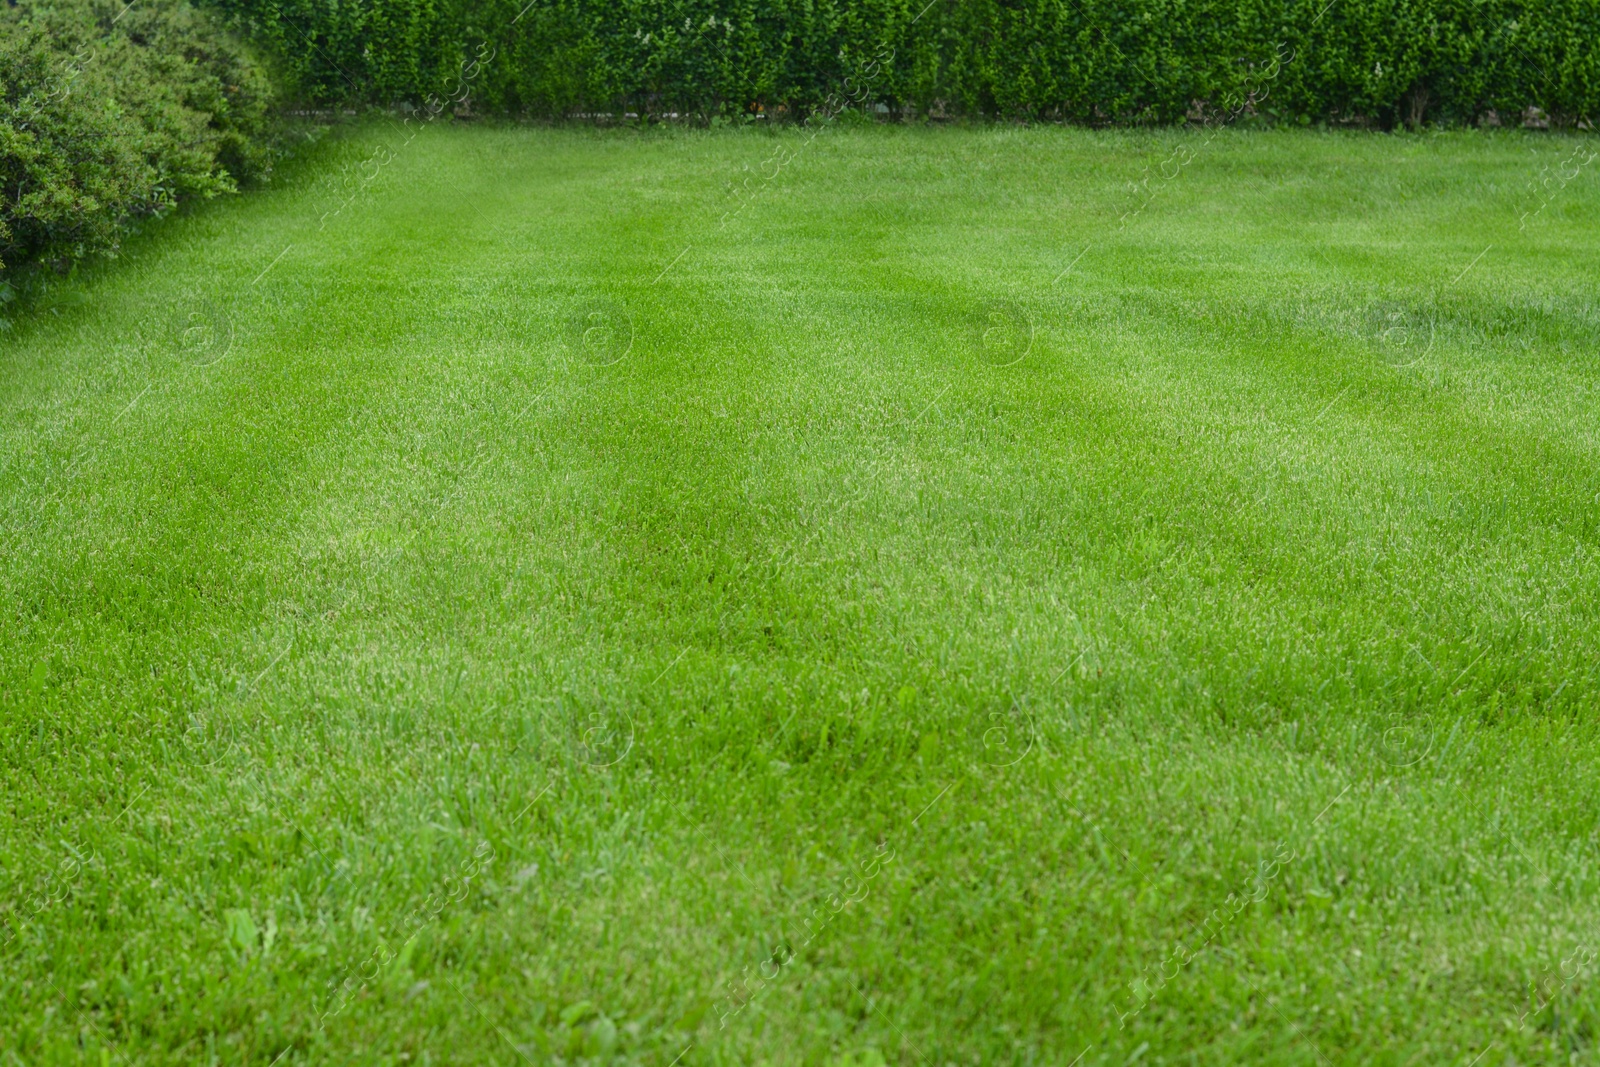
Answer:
x=954 y=596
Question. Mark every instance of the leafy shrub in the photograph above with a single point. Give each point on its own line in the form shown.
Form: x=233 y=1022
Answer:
x=109 y=112
x=1380 y=62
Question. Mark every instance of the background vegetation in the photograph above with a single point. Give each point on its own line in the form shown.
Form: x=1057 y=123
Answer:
x=1379 y=62
x=109 y=113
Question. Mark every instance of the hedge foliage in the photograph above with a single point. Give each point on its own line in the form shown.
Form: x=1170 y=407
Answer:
x=1379 y=62
x=109 y=112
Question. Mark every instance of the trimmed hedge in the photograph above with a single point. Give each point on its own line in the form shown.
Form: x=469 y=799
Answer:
x=110 y=112
x=1378 y=62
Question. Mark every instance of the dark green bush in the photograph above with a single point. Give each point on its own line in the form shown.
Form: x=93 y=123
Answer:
x=1378 y=62
x=110 y=112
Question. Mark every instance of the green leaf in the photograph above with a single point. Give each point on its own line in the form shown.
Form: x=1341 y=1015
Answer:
x=603 y=1035
x=690 y=1020
x=242 y=930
